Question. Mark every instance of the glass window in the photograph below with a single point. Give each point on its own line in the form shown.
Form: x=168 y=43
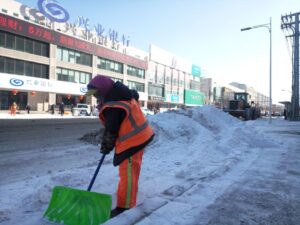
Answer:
x=83 y=59
x=45 y=50
x=28 y=45
x=10 y=41
x=58 y=74
x=10 y=66
x=20 y=44
x=77 y=75
x=71 y=57
x=89 y=60
x=82 y=78
x=2 y=64
x=65 y=74
x=59 y=54
x=19 y=67
x=78 y=58
x=72 y=75
x=45 y=72
x=65 y=55
x=37 y=48
x=136 y=86
x=2 y=39
x=37 y=70
x=29 y=69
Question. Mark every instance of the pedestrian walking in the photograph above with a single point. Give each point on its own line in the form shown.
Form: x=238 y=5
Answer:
x=13 y=109
x=28 y=108
x=127 y=130
x=62 y=108
x=52 y=109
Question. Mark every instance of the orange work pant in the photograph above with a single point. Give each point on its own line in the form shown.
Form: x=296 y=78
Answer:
x=129 y=172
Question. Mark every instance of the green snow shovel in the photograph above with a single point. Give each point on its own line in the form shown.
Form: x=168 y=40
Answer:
x=77 y=207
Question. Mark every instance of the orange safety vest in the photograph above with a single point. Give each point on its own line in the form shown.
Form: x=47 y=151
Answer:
x=134 y=129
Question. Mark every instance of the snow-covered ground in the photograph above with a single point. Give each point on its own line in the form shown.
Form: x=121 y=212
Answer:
x=203 y=167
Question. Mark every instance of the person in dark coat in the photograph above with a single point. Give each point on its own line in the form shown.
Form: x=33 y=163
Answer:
x=52 y=109
x=28 y=108
x=62 y=108
x=126 y=130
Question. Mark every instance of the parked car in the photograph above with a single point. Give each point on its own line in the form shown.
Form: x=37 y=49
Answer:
x=147 y=111
x=81 y=110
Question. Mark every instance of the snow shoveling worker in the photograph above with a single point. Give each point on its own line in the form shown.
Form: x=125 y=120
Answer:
x=127 y=130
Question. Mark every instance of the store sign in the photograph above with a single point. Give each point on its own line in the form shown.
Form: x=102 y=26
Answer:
x=25 y=83
x=56 y=13
x=21 y=27
x=156 y=98
x=172 y=98
x=196 y=71
x=193 y=98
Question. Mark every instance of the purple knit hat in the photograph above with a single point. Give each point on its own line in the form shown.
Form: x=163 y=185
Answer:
x=100 y=83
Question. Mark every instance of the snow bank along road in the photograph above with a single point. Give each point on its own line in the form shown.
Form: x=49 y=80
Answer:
x=204 y=167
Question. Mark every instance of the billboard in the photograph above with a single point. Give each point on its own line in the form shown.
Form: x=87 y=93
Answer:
x=196 y=70
x=194 y=98
x=20 y=27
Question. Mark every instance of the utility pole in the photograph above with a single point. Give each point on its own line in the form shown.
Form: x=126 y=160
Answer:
x=291 y=22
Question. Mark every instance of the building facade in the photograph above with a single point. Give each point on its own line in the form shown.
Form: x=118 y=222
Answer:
x=41 y=66
x=44 y=63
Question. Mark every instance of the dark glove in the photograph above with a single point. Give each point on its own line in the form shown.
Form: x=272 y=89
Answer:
x=108 y=142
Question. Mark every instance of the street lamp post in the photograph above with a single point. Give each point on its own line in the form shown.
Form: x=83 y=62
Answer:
x=269 y=27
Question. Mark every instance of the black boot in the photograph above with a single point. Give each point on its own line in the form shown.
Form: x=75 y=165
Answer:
x=117 y=211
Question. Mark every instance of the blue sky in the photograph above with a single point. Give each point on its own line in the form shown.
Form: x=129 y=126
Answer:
x=205 y=32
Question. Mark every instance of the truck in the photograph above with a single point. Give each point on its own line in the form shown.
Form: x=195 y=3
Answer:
x=240 y=107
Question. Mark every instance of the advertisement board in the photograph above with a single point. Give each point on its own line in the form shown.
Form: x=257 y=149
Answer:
x=193 y=98
x=196 y=70
x=20 y=27
x=25 y=83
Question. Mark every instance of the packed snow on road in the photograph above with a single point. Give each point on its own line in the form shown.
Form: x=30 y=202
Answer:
x=203 y=167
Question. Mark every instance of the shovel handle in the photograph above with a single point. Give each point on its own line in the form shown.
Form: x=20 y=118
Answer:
x=96 y=172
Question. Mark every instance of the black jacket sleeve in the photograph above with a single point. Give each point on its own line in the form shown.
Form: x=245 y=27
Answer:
x=113 y=119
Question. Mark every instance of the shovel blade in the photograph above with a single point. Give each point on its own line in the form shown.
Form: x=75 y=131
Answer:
x=77 y=207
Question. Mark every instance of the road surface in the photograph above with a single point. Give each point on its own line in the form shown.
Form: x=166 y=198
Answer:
x=24 y=144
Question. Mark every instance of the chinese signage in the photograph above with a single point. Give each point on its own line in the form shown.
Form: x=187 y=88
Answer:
x=172 y=98
x=193 y=98
x=196 y=71
x=56 y=13
x=17 y=26
x=8 y=81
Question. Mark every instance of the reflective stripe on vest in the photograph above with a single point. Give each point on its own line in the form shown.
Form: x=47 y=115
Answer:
x=136 y=128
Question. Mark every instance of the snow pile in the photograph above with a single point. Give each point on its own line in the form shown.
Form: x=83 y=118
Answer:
x=196 y=153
